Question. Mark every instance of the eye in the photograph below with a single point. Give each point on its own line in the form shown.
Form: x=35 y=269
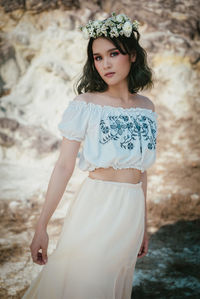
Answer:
x=96 y=58
x=116 y=53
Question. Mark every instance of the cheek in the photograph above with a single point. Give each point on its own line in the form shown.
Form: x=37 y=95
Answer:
x=96 y=66
x=123 y=59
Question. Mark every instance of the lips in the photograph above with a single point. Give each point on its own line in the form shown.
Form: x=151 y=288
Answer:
x=110 y=74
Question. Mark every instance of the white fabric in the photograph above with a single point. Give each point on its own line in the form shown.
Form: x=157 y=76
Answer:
x=112 y=136
x=97 y=250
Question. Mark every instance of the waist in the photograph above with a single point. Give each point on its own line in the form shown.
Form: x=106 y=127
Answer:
x=125 y=175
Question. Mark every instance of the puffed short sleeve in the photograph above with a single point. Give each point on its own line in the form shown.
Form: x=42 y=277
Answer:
x=73 y=124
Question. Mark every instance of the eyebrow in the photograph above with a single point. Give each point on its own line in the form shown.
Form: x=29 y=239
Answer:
x=107 y=51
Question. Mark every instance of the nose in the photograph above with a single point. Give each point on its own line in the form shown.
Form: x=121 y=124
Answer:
x=106 y=62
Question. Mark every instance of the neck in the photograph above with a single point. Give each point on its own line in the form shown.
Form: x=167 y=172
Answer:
x=119 y=92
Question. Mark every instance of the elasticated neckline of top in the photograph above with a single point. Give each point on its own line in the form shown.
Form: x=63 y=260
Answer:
x=108 y=107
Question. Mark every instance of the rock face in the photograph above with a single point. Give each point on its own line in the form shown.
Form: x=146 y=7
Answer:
x=38 y=6
x=36 y=87
x=42 y=54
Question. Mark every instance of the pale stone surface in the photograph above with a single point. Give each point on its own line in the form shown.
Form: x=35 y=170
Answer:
x=42 y=55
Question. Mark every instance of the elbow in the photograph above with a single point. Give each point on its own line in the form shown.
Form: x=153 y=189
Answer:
x=143 y=174
x=67 y=170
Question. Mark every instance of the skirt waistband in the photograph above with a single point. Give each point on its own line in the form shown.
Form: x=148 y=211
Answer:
x=120 y=184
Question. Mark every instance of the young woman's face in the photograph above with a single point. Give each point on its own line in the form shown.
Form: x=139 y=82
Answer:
x=107 y=58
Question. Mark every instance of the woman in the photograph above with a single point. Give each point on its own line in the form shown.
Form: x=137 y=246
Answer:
x=105 y=229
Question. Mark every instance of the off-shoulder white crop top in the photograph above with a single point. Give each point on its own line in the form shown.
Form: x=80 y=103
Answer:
x=112 y=136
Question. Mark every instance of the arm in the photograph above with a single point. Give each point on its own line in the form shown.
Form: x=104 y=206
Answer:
x=60 y=176
x=144 y=246
x=144 y=187
x=144 y=175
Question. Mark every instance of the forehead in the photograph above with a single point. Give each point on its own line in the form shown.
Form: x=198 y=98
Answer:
x=101 y=45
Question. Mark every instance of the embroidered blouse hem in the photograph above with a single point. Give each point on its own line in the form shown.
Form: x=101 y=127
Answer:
x=93 y=167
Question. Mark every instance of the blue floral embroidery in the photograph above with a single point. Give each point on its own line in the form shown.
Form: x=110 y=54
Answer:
x=127 y=129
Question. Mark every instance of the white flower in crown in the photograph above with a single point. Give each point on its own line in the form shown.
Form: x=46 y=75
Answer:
x=104 y=32
x=104 y=29
x=113 y=27
x=119 y=26
x=114 y=32
x=109 y=23
x=97 y=24
x=136 y=24
x=120 y=18
x=127 y=28
x=113 y=17
x=98 y=31
x=91 y=31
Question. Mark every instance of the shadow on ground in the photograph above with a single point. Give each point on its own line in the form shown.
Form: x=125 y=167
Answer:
x=171 y=269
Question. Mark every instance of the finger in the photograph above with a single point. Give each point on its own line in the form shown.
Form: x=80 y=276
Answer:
x=34 y=254
x=142 y=252
x=44 y=255
x=141 y=255
x=40 y=259
x=36 y=257
x=36 y=260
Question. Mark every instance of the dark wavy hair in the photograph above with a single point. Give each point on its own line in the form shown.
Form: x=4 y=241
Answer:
x=139 y=77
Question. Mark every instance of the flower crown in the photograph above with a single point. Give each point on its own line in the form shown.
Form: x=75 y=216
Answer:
x=114 y=26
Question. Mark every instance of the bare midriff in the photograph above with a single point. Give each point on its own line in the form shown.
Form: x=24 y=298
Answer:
x=124 y=175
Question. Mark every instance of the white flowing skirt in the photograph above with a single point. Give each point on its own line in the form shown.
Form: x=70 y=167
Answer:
x=97 y=249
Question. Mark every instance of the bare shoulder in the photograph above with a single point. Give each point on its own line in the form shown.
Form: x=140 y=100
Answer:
x=85 y=97
x=147 y=103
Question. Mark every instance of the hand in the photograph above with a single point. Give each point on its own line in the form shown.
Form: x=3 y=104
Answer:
x=144 y=247
x=40 y=241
